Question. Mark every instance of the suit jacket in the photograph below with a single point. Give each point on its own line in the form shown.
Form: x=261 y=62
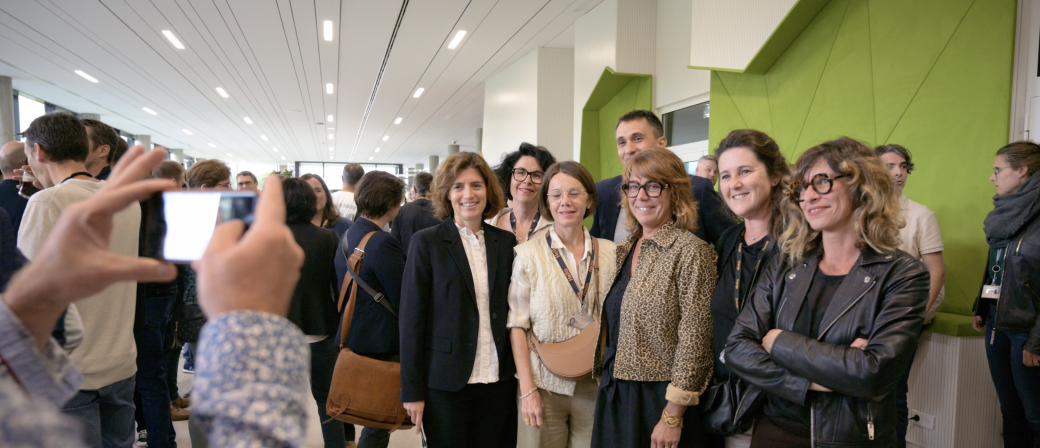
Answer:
x=439 y=318
x=413 y=217
x=713 y=217
x=12 y=202
x=374 y=330
x=313 y=307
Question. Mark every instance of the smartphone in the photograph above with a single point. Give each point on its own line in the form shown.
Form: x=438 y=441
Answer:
x=180 y=223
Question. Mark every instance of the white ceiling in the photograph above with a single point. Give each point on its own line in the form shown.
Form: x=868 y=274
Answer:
x=271 y=58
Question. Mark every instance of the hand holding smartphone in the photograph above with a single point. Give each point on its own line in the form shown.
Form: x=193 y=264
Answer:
x=179 y=223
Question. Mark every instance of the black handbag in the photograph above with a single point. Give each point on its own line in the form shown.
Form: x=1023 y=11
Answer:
x=730 y=407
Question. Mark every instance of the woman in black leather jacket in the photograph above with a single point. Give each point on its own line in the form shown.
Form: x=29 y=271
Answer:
x=1012 y=323
x=833 y=323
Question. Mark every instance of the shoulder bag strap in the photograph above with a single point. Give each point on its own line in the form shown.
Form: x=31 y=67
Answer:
x=377 y=296
x=353 y=264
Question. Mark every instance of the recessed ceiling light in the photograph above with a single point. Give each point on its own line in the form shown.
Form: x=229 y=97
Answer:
x=328 y=30
x=275 y=149
x=186 y=131
x=458 y=38
x=331 y=129
x=263 y=137
x=212 y=145
x=332 y=158
x=173 y=39
x=230 y=155
x=248 y=120
x=377 y=149
x=332 y=148
x=283 y=157
x=398 y=120
x=370 y=158
x=152 y=112
x=331 y=136
x=329 y=118
x=328 y=88
x=222 y=92
x=386 y=137
x=86 y=76
x=418 y=92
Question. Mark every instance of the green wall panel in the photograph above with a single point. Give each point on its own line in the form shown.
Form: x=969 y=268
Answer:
x=933 y=75
x=614 y=95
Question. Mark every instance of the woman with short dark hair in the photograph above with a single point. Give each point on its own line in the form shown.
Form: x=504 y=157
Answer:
x=833 y=323
x=313 y=306
x=1008 y=305
x=520 y=175
x=374 y=332
x=327 y=215
x=456 y=362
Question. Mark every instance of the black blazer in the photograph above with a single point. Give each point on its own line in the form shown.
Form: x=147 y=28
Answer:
x=439 y=319
x=374 y=330
x=413 y=217
x=313 y=307
x=712 y=217
x=12 y=202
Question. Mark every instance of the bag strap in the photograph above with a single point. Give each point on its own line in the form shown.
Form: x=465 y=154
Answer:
x=353 y=263
x=377 y=296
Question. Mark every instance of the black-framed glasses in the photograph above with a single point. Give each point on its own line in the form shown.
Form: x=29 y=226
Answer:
x=821 y=184
x=653 y=188
x=519 y=174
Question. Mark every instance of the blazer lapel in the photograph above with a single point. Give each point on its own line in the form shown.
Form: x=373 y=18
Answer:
x=490 y=254
x=614 y=207
x=458 y=252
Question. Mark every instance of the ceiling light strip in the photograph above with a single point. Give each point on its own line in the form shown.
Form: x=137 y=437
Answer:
x=379 y=77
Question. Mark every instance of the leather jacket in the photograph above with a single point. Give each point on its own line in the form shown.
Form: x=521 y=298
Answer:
x=1018 y=310
x=882 y=299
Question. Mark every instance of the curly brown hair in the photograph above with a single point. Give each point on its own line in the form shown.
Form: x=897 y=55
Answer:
x=445 y=178
x=876 y=214
x=767 y=151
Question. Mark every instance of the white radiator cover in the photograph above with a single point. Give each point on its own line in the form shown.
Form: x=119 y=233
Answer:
x=950 y=380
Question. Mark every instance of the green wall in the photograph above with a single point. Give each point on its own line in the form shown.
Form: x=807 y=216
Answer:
x=932 y=75
x=615 y=94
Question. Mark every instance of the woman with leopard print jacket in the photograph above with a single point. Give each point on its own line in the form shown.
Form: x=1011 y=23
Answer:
x=657 y=359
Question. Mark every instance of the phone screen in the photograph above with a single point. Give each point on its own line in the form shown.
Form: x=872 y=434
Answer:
x=180 y=224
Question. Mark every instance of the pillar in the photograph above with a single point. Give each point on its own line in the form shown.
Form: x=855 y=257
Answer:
x=177 y=154
x=144 y=140
x=480 y=140
x=7 y=129
x=453 y=149
x=418 y=167
x=434 y=161
x=90 y=116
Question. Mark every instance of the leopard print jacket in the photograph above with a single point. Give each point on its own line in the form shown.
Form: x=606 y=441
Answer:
x=666 y=326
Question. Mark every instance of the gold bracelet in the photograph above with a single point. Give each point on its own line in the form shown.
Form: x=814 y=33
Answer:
x=529 y=393
x=670 y=420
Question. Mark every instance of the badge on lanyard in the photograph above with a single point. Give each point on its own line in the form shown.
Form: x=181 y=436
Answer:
x=581 y=319
x=992 y=290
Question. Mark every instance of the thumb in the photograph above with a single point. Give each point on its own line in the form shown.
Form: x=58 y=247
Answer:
x=119 y=268
x=225 y=236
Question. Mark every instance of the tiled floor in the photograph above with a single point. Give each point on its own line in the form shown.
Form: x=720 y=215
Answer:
x=399 y=439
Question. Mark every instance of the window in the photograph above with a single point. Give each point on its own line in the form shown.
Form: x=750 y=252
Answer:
x=687 y=125
x=332 y=172
x=29 y=109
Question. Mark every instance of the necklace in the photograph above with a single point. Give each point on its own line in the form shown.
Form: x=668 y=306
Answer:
x=740 y=259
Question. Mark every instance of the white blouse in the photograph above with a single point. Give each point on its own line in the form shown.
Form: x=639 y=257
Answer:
x=485 y=363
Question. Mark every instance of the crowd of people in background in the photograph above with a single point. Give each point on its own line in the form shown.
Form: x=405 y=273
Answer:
x=805 y=285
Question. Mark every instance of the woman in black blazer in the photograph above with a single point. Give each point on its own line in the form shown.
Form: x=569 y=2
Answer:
x=374 y=332
x=313 y=306
x=456 y=359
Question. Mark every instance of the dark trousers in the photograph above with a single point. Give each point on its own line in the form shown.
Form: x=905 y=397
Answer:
x=1018 y=386
x=151 y=384
x=478 y=415
x=323 y=362
x=902 y=409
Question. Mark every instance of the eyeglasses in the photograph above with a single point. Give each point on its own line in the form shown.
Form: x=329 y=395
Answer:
x=557 y=195
x=520 y=174
x=653 y=189
x=821 y=183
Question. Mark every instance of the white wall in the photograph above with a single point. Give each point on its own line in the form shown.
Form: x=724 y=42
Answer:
x=511 y=108
x=595 y=43
x=675 y=85
x=555 y=101
x=727 y=34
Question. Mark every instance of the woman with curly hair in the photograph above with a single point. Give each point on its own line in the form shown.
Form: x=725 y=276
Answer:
x=521 y=174
x=834 y=321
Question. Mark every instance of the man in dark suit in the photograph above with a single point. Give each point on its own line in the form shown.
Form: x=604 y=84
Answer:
x=416 y=215
x=637 y=131
x=12 y=157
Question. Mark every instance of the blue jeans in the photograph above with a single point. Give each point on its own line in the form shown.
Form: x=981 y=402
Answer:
x=107 y=414
x=189 y=356
x=151 y=371
x=1018 y=386
x=323 y=361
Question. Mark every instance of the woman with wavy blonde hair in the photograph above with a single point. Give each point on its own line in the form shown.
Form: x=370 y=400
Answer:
x=833 y=324
x=657 y=314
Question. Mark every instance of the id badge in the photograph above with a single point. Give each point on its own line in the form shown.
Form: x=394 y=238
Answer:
x=579 y=321
x=991 y=292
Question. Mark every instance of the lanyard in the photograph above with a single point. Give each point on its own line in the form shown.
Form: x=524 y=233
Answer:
x=78 y=173
x=997 y=269
x=534 y=225
x=740 y=260
x=567 y=272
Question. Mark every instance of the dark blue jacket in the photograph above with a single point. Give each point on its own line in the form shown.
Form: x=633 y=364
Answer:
x=413 y=217
x=11 y=202
x=439 y=317
x=374 y=330
x=11 y=259
x=712 y=216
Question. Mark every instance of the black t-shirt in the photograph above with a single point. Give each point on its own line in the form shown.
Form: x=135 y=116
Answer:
x=724 y=309
x=794 y=417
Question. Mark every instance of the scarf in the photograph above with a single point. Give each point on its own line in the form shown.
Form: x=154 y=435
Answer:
x=1012 y=211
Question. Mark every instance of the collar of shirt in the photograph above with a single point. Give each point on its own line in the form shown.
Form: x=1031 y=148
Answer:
x=557 y=243
x=466 y=232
